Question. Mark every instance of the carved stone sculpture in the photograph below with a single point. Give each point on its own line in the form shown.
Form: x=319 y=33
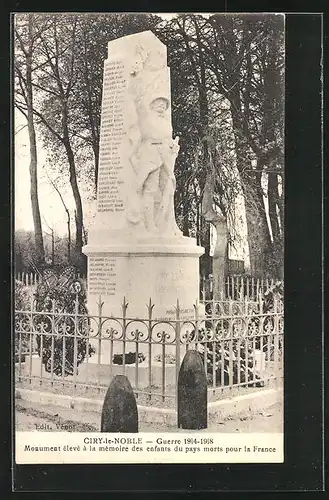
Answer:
x=153 y=151
x=153 y=160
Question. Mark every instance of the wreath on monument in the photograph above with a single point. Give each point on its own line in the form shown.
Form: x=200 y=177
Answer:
x=62 y=342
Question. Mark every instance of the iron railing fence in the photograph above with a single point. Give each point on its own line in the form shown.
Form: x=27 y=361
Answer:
x=32 y=279
x=77 y=354
x=237 y=287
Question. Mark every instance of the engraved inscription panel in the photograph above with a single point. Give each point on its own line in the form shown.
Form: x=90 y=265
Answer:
x=102 y=275
x=111 y=165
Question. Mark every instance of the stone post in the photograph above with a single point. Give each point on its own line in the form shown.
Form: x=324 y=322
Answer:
x=192 y=393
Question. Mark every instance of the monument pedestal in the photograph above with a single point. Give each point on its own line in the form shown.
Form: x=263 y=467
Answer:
x=137 y=271
x=163 y=270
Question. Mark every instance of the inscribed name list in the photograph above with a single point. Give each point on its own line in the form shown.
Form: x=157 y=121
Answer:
x=110 y=197
x=102 y=278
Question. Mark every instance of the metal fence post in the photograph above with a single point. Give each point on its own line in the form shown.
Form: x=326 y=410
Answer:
x=99 y=329
x=75 y=350
x=150 y=312
x=124 y=325
x=31 y=336
x=177 y=333
x=53 y=311
x=230 y=339
x=276 y=337
x=196 y=321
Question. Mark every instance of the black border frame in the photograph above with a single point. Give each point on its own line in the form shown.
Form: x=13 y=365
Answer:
x=304 y=460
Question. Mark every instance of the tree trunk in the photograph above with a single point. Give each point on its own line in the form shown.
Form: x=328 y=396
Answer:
x=219 y=262
x=39 y=246
x=186 y=229
x=68 y=238
x=200 y=81
x=74 y=185
x=259 y=240
x=52 y=248
x=96 y=156
x=77 y=199
x=186 y=208
x=258 y=232
x=205 y=259
x=274 y=201
x=273 y=204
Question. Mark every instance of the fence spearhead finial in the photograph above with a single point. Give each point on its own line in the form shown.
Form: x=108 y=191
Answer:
x=125 y=305
x=196 y=307
x=100 y=303
x=150 y=307
x=177 y=308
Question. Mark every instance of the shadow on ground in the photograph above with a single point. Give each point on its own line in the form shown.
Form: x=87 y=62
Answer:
x=50 y=418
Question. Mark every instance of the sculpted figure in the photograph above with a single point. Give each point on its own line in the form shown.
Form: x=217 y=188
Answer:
x=153 y=160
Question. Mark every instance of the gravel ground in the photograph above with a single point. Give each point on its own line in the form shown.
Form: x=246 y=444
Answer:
x=58 y=387
x=31 y=416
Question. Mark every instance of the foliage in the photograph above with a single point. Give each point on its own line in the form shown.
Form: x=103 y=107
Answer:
x=227 y=106
x=22 y=296
x=274 y=294
x=24 y=248
x=28 y=29
x=229 y=71
x=169 y=359
x=62 y=293
x=242 y=351
x=25 y=253
x=242 y=358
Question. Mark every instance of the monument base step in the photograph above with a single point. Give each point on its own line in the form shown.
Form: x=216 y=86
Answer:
x=100 y=374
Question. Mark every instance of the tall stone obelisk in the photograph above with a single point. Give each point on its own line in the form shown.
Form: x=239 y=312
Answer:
x=135 y=249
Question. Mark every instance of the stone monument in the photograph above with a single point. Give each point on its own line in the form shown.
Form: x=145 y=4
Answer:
x=135 y=249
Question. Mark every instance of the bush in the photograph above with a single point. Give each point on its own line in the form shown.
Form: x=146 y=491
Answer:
x=60 y=292
x=242 y=357
x=273 y=295
x=22 y=298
